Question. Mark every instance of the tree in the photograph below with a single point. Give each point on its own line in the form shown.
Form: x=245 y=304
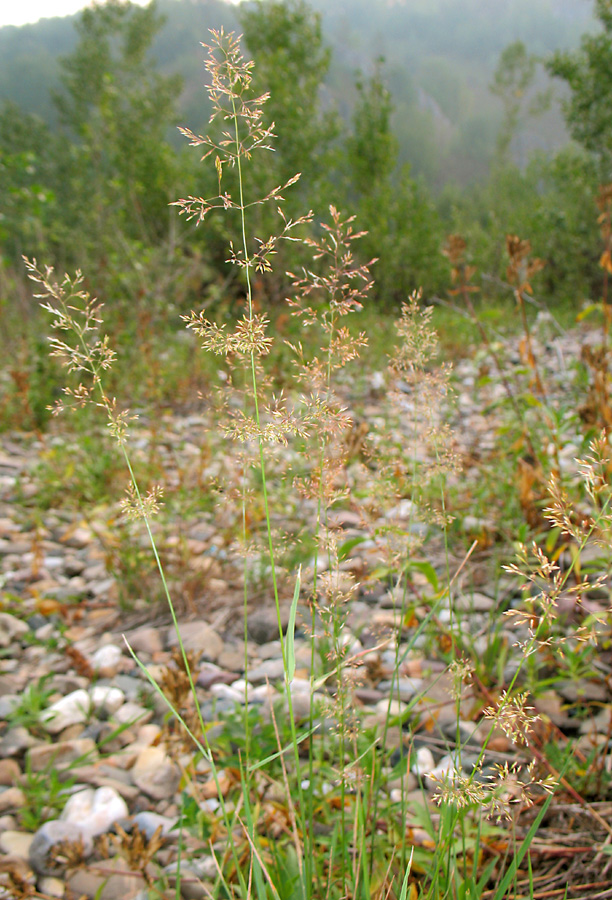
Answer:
x=28 y=184
x=588 y=74
x=118 y=109
x=404 y=231
x=285 y=40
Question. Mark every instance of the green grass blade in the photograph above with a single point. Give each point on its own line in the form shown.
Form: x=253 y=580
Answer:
x=404 y=890
x=273 y=756
x=518 y=858
x=290 y=644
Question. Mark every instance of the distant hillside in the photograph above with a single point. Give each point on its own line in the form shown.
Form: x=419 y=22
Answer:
x=440 y=56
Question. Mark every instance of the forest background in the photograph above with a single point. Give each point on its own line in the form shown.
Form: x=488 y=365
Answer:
x=423 y=119
x=473 y=143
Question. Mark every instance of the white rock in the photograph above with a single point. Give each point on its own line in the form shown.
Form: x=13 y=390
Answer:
x=51 y=887
x=107 y=658
x=424 y=762
x=227 y=692
x=95 y=811
x=256 y=694
x=16 y=843
x=389 y=709
x=132 y=714
x=107 y=698
x=300 y=686
x=73 y=709
x=447 y=770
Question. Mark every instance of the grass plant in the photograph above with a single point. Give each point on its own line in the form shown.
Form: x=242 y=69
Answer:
x=303 y=806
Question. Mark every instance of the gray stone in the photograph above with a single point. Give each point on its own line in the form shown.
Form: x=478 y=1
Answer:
x=9 y=772
x=194 y=877
x=211 y=674
x=132 y=714
x=405 y=687
x=8 y=703
x=475 y=602
x=388 y=709
x=149 y=822
x=114 y=881
x=106 y=659
x=145 y=640
x=11 y=798
x=46 y=838
x=15 y=741
x=78 y=538
x=262 y=625
x=11 y=629
x=424 y=762
x=106 y=698
x=197 y=637
x=269 y=669
x=61 y=754
x=155 y=774
x=131 y=686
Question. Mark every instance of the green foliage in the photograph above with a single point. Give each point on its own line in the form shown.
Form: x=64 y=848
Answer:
x=28 y=183
x=588 y=74
x=513 y=77
x=403 y=230
x=34 y=700
x=286 y=42
x=552 y=203
x=46 y=794
x=118 y=108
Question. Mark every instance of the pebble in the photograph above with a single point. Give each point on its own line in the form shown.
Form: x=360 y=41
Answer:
x=106 y=660
x=141 y=776
x=447 y=770
x=387 y=710
x=11 y=798
x=11 y=629
x=8 y=704
x=149 y=822
x=61 y=754
x=16 y=741
x=94 y=811
x=72 y=709
x=211 y=674
x=16 y=843
x=9 y=772
x=132 y=714
x=474 y=602
x=406 y=688
x=262 y=625
x=48 y=835
x=197 y=637
x=268 y=670
x=155 y=774
x=113 y=880
x=424 y=762
x=51 y=887
x=145 y=640
x=106 y=699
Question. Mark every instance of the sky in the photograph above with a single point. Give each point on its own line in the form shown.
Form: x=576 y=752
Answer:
x=25 y=11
